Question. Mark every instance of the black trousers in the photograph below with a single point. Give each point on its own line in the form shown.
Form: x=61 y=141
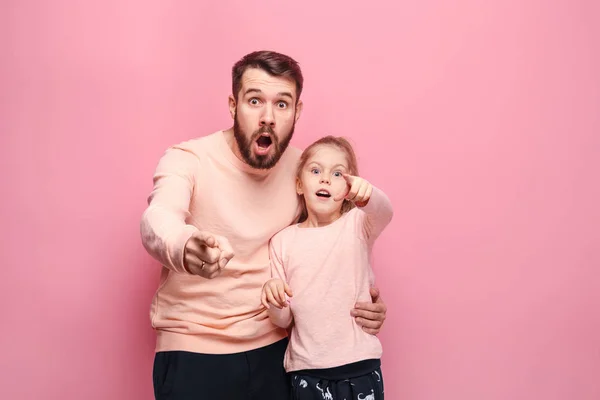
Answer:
x=364 y=387
x=255 y=374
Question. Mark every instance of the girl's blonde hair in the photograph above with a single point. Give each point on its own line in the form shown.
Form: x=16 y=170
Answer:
x=341 y=144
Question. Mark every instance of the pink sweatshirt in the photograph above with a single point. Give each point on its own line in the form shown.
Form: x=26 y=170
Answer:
x=202 y=185
x=328 y=269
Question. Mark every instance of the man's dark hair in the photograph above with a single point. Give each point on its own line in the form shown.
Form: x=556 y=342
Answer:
x=275 y=64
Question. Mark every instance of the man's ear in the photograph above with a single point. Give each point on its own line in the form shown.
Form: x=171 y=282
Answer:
x=232 y=106
x=299 y=107
x=299 y=187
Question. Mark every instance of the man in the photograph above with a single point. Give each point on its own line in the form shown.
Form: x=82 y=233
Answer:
x=216 y=202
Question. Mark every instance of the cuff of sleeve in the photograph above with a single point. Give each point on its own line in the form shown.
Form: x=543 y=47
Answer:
x=176 y=248
x=373 y=203
x=280 y=317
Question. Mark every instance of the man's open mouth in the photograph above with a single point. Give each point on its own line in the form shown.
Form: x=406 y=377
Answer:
x=323 y=193
x=264 y=141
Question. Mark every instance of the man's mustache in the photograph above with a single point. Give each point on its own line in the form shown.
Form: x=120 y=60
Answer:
x=265 y=129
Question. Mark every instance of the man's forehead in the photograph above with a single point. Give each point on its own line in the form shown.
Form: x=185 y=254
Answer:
x=255 y=78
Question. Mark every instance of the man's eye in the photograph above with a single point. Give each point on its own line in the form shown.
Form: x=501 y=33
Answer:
x=282 y=104
x=254 y=101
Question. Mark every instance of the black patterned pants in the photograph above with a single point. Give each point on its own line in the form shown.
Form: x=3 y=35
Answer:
x=365 y=387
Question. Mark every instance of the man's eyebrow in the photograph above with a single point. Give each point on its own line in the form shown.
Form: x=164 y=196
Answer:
x=280 y=94
x=252 y=90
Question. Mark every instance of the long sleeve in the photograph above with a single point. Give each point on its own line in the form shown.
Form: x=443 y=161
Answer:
x=377 y=215
x=163 y=227
x=280 y=317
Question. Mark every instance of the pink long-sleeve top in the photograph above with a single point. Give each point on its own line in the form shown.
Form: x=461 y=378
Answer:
x=201 y=185
x=328 y=269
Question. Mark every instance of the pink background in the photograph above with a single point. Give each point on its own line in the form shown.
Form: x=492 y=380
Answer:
x=481 y=121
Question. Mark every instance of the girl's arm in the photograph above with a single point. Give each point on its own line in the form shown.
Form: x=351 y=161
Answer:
x=281 y=317
x=376 y=206
x=378 y=213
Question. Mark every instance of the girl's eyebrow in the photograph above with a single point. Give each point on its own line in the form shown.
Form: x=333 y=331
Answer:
x=334 y=167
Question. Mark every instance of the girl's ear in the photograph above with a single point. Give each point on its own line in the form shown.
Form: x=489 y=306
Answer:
x=299 y=187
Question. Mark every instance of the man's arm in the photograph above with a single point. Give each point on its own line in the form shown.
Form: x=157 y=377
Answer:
x=370 y=316
x=163 y=228
x=166 y=235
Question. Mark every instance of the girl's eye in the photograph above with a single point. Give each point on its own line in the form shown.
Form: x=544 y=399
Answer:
x=337 y=174
x=282 y=104
x=314 y=171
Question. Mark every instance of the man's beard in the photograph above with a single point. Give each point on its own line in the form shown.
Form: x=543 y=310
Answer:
x=266 y=161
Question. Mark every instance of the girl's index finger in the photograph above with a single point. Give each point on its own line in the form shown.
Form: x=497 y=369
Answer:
x=282 y=297
x=349 y=178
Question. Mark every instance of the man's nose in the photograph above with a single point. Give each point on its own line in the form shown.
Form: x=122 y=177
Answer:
x=267 y=118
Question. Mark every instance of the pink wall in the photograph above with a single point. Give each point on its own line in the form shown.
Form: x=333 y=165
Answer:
x=481 y=121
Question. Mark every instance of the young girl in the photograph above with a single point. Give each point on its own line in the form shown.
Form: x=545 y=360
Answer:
x=321 y=268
